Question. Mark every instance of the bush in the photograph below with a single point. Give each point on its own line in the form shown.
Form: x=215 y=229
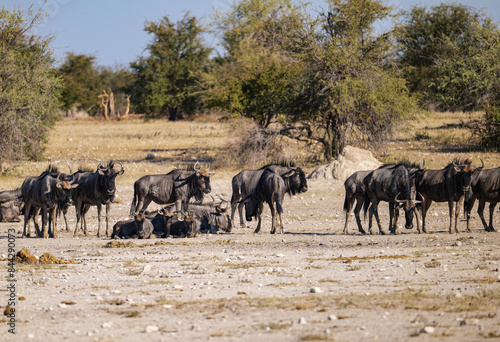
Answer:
x=488 y=130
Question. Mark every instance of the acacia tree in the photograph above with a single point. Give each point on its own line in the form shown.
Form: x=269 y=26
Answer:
x=28 y=87
x=167 y=82
x=335 y=74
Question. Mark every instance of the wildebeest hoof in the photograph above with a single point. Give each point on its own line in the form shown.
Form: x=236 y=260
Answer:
x=383 y=233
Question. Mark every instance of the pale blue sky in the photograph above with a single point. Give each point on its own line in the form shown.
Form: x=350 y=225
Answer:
x=113 y=30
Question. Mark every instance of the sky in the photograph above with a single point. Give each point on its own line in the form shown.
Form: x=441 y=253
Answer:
x=113 y=30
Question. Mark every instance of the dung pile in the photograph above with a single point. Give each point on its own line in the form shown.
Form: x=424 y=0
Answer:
x=25 y=256
x=119 y=244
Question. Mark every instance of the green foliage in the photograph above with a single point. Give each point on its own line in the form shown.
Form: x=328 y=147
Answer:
x=81 y=83
x=28 y=87
x=450 y=54
x=320 y=80
x=488 y=131
x=167 y=82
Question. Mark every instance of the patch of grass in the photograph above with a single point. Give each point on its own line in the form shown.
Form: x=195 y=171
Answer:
x=276 y=326
x=116 y=301
x=329 y=280
x=316 y=337
x=432 y=264
x=350 y=259
x=221 y=334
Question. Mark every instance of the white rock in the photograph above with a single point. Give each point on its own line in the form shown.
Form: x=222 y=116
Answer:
x=151 y=329
x=315 y=290
x=302 y=320
x=332 y=318
x=31 y=336
x=62 y=305
x=107 y=325
x=428 y=330
x=279 y=255
x=146 y=269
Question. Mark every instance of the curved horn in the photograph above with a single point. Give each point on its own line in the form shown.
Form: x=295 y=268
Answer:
x=69 y=167
x=208 y=167
x=100 y=167
x=197 y=169
x=121 y=167
x=398 y=200
x=482 y=164
x=421 y=166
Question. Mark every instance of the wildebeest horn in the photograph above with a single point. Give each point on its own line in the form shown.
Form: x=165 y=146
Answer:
x=222 y=198
x=208 y=167
x=121 y=167
x=197 y=169
x=100 y=167
x=421 y=166
x=69 y=167
x=398 y=200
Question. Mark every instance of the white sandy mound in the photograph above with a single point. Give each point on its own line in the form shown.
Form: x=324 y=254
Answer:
x=352 y=159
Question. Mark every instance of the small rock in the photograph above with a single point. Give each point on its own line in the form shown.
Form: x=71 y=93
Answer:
x=417 y=271
x=458 y=295
x=151 y=329
x=62 y=305
x=327 y=332
x=315 y=290
x=458 y=243
x=428 y=330
x=332 y=318
x=146 y=269
x=107 y=325
x=279 y=255
x=302 y=320
x=31 y=336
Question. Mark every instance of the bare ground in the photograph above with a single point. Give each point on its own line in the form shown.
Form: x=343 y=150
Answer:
x=242 y=286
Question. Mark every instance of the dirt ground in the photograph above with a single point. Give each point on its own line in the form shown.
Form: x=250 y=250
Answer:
x=311 y=283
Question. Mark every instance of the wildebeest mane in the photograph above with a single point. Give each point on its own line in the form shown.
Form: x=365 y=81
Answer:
x=280 y=162
x=85 y=168
x=459 y=161
x=50 y=170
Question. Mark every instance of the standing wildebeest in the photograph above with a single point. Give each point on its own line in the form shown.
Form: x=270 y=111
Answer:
x=271 y=189
x=446 y=185
x=485 y=186
x=45 y=192
x=354 y=191
x=393 y=184
x=244 y=183
x=95 y=188
x=175 y=187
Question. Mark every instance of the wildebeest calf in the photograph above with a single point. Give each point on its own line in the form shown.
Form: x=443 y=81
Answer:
x=139 y=227
x=9 y=211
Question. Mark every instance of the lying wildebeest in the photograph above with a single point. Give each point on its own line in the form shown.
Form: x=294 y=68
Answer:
x=393 y=184
x=95 y=188
x=188 y=226
x=9 y=211
x=175 y=187
x=270 y=189
x=210 y=217
x=446 y=185
x=244 y=183
x=485 y=186
x=45 y=192
x=354 y=191
x=139 y=227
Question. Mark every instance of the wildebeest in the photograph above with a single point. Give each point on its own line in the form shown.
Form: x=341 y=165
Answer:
x=210 y=216
x=188 y=226
x=244 y=183
x=354 y=191
x=9 y=211
x=174 y=187
x=393 y=184
x=139 y=227
x=45 y=192
x=270 y=189
x=485 y=186
x=95 y=188
x=446 y=185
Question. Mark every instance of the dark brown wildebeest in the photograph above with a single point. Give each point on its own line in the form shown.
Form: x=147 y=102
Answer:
x=354 y=191
x=270 y=189
x=446 y=185
x=45 y=192
x=393 y=184
x=175 y=187
x=188 y=226
x=485 y=187
x=95 y=188
x=139 y=227
x=244 y=183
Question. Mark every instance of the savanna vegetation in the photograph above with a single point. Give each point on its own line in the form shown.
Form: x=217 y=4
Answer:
x=286 y=74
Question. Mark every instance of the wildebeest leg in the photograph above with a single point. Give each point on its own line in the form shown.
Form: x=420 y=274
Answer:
x=480 y=212
x=85 y=209
x=451 y=210
x=425 y=207
x=272 y=206
x=107 y=217
x=418 y=220
x=53 y=221
x=27 y=212
x=492 y=209
x=357 y=209
x=240 y=212
x=375 y=212
x=78 y=212
x=259 y=215
x=44 y=222
x=64 y=212
x=391 y=218
x=457 y=211
x=395 y=222
x=468 y=208
x=99 y=207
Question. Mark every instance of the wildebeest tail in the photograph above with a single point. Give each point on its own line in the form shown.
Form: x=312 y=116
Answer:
x=279 y=208
x=346 y=203
x=134 y=203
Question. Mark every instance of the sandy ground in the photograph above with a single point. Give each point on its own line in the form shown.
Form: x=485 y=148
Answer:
x=311 y=283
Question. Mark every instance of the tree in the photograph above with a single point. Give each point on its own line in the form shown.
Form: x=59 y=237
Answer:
x=81 y=81
x=449 y=54
x=29 y=87
x=167 y=82
x=326 y=80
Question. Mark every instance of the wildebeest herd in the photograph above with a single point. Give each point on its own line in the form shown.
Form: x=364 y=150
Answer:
x=405 y=185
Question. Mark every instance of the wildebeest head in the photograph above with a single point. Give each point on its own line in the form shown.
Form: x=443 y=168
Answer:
x=63 y=189
x=251 y=207
x=463 y=173
x=191 y=225
x=108 y=175
x=202 y=179
x=222 y=219
x=296 y=179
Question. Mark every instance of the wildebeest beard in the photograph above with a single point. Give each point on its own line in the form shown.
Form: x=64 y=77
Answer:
x=198 y=196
